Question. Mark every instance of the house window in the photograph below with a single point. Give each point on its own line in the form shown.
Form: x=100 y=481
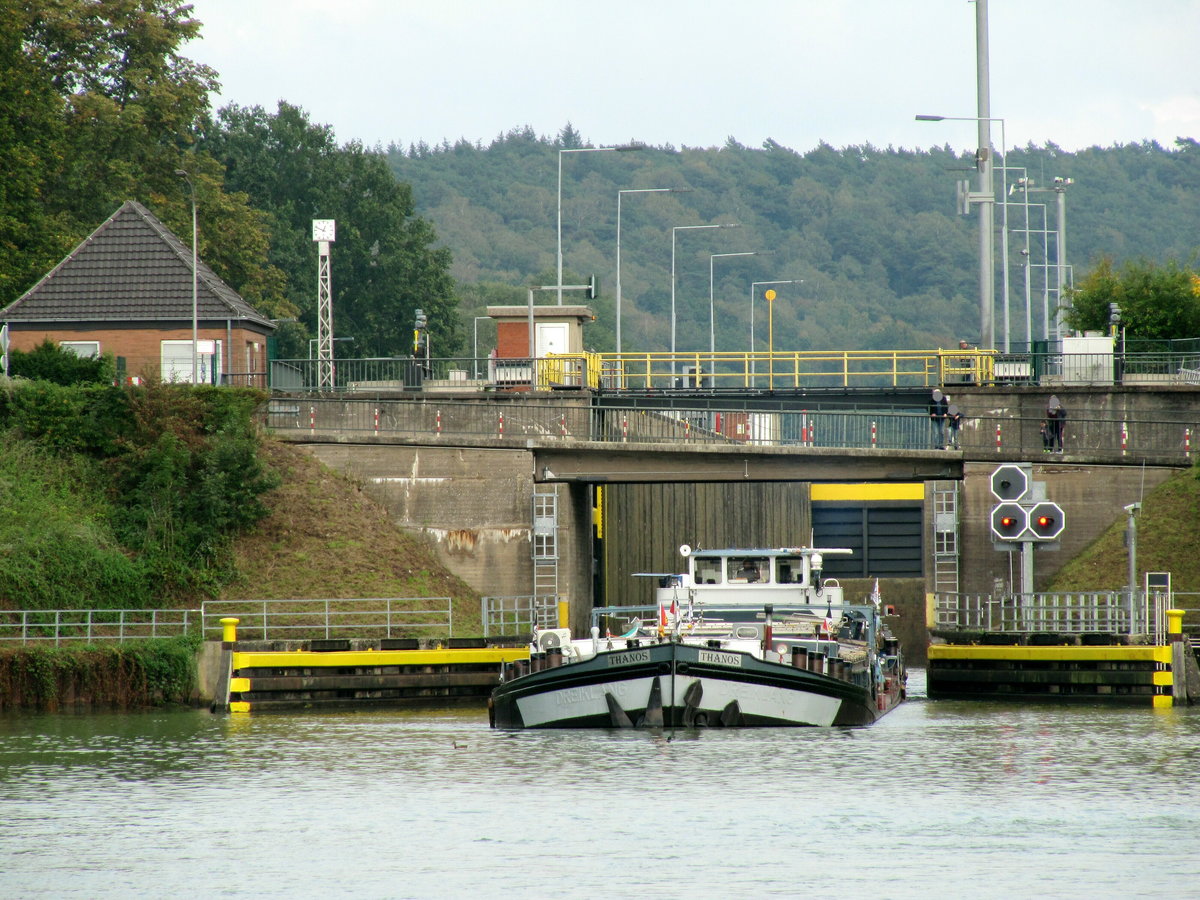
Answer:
x=86 y=349
x=177 y=361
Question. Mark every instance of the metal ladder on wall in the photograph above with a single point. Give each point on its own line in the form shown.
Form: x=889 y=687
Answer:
x=945 y=537
x=545 y=547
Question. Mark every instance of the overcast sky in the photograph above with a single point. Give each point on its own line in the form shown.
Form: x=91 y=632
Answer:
x=695 y=72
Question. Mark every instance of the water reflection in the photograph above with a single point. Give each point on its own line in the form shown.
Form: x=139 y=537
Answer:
x=994 y=799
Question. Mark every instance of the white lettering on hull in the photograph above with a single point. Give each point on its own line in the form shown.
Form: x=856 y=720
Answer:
x=629 y=658
x=721 y=659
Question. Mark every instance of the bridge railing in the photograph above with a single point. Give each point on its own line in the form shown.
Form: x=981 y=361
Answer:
x=758 y=371
x=514 y=422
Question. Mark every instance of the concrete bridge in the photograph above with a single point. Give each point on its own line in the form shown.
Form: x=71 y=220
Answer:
x=470 y=471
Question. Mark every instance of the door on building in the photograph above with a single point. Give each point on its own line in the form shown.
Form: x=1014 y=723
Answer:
x=551 y=337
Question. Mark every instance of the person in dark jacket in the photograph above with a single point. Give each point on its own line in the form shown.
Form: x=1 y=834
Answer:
x=953 y=422
x=1056 y=417
x=938 y=409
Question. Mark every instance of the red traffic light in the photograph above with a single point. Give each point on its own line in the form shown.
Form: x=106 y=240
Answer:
x=1046 y=520
x=1008 y=521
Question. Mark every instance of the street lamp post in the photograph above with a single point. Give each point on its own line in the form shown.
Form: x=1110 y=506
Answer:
x=712 y=309
x=753 y=285
x=619 y=194
x=986 y=198
x=618 y=149
x=675 y=230
x=195 y=318
x=475 y=365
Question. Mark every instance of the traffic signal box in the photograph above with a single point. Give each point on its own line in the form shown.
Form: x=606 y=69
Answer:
x=1023 y=515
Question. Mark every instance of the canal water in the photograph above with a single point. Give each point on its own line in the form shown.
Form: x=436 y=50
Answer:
x=938 y=799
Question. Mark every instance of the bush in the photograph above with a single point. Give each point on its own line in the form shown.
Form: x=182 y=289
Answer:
x=50 y=362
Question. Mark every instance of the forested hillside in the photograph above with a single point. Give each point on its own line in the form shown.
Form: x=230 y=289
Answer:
x=885 y=259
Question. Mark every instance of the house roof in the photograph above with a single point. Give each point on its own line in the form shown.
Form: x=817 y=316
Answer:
x=131 y=268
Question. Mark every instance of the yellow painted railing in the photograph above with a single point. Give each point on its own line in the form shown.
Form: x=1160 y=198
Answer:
x=795 y=369
x=569 y=370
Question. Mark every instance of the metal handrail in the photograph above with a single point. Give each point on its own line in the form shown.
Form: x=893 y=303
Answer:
x=518 y=614
x=90 y=625
x=1076 y=612
x=358 y=617
x=781 y=424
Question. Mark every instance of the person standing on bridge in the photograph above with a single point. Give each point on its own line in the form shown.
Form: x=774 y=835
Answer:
x=938 y=409
x=953 y=422
x=1056 y=417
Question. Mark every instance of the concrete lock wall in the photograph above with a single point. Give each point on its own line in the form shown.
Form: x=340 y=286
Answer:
x=475 y=506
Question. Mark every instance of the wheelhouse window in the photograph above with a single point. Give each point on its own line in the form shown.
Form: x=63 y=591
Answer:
x=789 y=569
x=708 y=571
x=749 y=569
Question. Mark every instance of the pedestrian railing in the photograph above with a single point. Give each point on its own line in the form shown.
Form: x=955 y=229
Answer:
x=783 y=424
x=379 y=617
x=1106 y=612
x=518 y=614
x=58 y=626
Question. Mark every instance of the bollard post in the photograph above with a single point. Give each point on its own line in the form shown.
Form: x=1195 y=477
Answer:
x=229 y=630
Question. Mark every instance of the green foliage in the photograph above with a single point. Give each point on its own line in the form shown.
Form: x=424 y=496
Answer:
x=386 y=264
x=129 y=675
x=1157 y=302
x=57 y=548
x=172 y=474
x=50 y=362
x=873 y=233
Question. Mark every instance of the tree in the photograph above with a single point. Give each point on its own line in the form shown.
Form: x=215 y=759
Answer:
x=385 y=264
x=1156 y=302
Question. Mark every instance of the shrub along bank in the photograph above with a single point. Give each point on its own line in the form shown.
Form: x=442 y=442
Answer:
x=124 y=497
x=132 y=675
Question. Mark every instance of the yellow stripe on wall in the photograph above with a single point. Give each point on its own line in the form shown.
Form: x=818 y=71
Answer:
x=869 y=491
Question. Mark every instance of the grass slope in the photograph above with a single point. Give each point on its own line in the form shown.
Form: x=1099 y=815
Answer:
x=1168 y=540
x=325 y=538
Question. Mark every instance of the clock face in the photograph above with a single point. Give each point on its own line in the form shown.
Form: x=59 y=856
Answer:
x=323 y=230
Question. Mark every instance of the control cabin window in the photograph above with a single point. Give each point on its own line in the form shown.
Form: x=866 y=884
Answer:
x=789 y=569
x=708 y=571
x=749 y=569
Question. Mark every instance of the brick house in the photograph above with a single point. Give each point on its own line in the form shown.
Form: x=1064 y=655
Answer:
x=127 y=290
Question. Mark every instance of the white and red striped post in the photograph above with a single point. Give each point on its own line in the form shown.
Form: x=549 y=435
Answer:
x=874 y=436
x=501 y=424
x=804 y=428
x=439 y=421
x=1187 y=443
x=377 y=421
x=562 y=425
x=625 y=427
x=997 y=437
x=1124 y=437
x=312 y=419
